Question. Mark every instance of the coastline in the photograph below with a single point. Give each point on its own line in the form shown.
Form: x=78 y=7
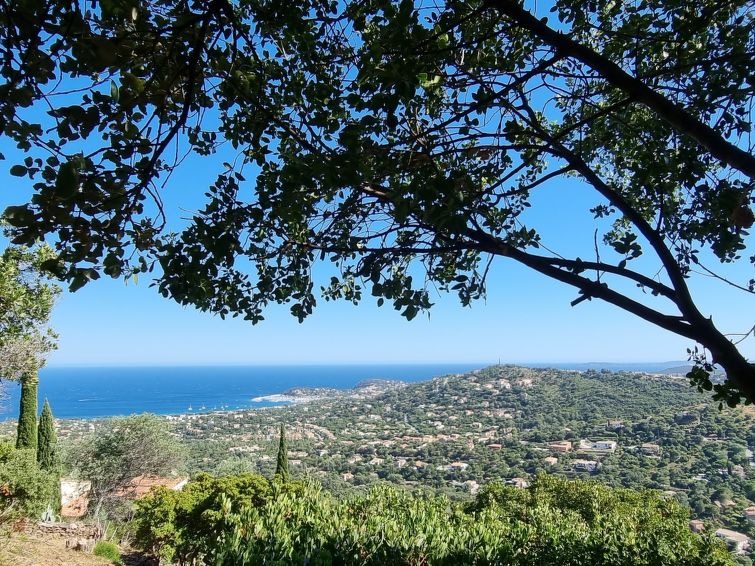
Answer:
x=172 y=390
x=282 y=398
x=292 y=396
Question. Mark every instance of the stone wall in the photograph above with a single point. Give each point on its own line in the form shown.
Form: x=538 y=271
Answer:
x=68 y=530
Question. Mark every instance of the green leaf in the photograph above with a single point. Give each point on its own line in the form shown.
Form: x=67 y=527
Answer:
x=67 y=181
x=18 y=171
x=77 y=283
x=114 y=92
x=52 y=265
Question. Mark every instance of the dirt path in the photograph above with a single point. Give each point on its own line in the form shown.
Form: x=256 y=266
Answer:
x=20 y=549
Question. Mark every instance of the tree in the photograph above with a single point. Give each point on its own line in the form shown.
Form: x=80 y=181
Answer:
x=26 y=431
x=47 y=454
x=281 y=464
x=25 y=338
x=124 y=448
x=47 y=442
x=384 y=136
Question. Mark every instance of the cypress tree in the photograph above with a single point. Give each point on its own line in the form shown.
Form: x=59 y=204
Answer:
x=27 y=415
x=46 y=440
x=281 y=467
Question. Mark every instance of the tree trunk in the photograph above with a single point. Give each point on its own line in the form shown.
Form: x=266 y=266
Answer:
x=27 y=413
x=739 y=371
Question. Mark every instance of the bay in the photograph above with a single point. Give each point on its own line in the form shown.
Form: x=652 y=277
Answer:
x=89 y=392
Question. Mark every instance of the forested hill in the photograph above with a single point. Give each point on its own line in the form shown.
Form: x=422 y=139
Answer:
x=555 y=396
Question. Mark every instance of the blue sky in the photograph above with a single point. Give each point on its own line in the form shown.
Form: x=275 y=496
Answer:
x=526 y=317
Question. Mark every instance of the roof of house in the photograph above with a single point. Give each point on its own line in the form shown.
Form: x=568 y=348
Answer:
x=732 y=535
x=140 y=486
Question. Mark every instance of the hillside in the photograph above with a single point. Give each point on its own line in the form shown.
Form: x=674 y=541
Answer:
x=455 y=433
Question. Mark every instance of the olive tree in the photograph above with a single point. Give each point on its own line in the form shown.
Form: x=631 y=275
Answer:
x=26 y=301
x=390 y=137
x=122 y=449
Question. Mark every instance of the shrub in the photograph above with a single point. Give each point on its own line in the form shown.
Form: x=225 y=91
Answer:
x=184 y=525
x=108 y=550
x=240 y=520
x=555 y=521
x=25 y=490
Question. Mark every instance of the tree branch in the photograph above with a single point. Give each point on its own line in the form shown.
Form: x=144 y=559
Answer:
x=676 y=115
x=590 y=288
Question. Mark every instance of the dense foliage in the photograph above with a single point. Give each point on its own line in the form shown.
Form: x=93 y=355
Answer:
x=25 y=489
x=184 y=525
x=391 y=137
x=47 y=454
x=25 y=309
x=108 y=550
x=552 y=522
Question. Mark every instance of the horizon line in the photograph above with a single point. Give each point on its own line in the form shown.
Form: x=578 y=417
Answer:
x=358 y=363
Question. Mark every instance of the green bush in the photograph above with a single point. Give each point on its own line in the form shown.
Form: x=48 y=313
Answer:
x=554 y=521
x=184 y=525
x=108 y=550
x=25 y=490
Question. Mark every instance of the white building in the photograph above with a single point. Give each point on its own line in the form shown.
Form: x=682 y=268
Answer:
x=598 y=445
x=585 y=465
x=738 y=543
x=74 y=497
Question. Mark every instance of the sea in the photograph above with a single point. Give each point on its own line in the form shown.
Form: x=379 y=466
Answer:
x=90 y=392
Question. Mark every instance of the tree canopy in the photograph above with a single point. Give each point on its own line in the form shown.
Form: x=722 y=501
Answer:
x=26 y=302
x=554 y=521
x=402 y=141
